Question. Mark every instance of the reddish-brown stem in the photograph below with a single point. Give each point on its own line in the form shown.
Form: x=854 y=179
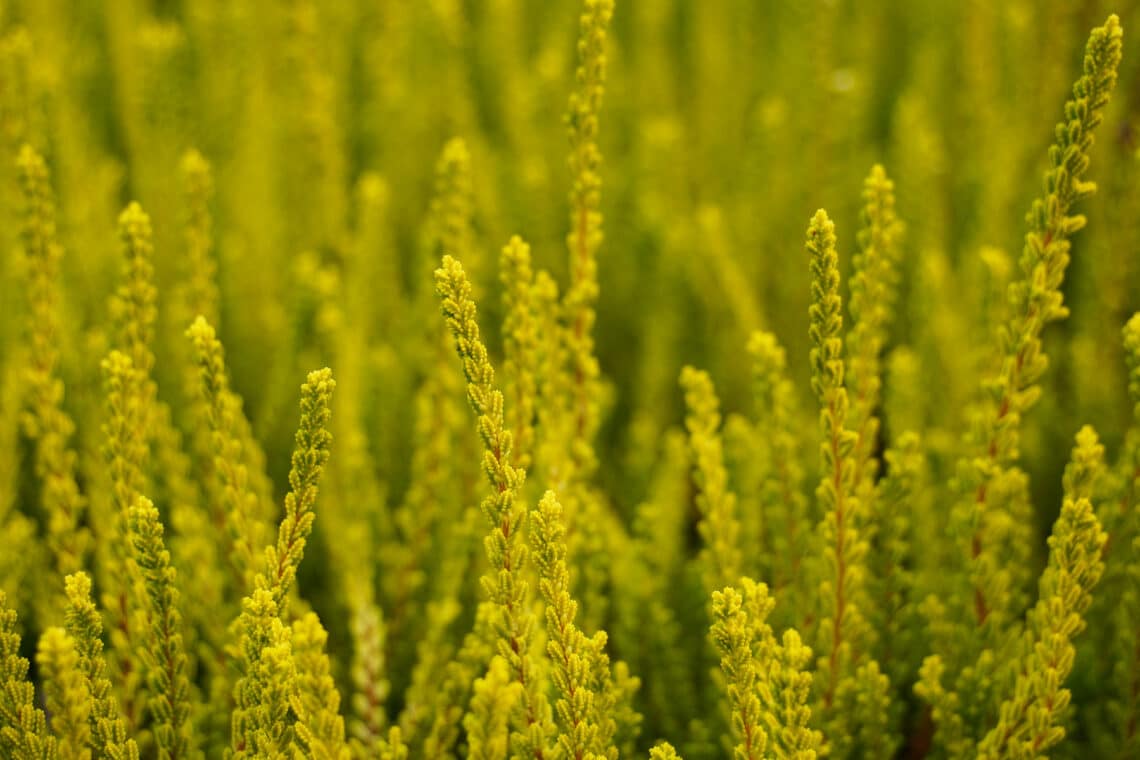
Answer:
x=981 y=608
x=509 y=607
x=840 y=563
x=125 y=663
x=572 y=687
x=922 y=739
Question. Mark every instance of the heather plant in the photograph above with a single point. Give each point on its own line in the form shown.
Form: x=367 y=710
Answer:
x=594 y=457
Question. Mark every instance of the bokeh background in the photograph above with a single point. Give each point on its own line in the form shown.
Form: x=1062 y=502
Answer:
x=726 y=124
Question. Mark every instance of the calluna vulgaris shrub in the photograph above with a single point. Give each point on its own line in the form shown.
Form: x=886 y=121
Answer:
x=530 y=531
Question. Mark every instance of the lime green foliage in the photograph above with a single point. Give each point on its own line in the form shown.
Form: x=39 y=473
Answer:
x=1037 y=300
x=428 y=549
x=234 y=501
x=991 y=513
x=585 y=236
x=872 y=305
x=1027 y=726
x=520 y=344
x=67 y=699
x=574 y=656
x=486 y=723
x=134 y=304
x=664 y=751
x=264 y=693
x=369 y=680
x=310 y=453
x=767 y=681
x=47 y=421
x=791 y=684
x=854 y=693
x=393 y=748
x=201 y=294
x=24 y=733
x=108 y=730
x=781 y=492
x=477 y=647
x=1113 y=652
x=504 y=583
x=320 y=728
x=732 y=634
x=167 y=682
x=125 y=452
x=719 y=526
x=895 y=514
x=891 y=562
x=842 y=622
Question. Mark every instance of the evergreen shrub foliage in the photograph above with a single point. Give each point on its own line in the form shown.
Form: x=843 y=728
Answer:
x=354 y=405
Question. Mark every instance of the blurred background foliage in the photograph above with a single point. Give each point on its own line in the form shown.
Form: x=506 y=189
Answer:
x=726 y=124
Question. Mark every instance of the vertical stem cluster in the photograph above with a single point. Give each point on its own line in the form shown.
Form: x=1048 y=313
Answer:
x=585 y=235
x=504 y=583
x=1037 y=297
x=47 y=422
x=836 y=490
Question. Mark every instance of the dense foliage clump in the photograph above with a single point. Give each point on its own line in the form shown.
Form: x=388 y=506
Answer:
x=663 y=474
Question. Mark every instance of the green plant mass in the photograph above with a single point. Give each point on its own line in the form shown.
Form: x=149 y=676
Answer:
x=569 y=380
